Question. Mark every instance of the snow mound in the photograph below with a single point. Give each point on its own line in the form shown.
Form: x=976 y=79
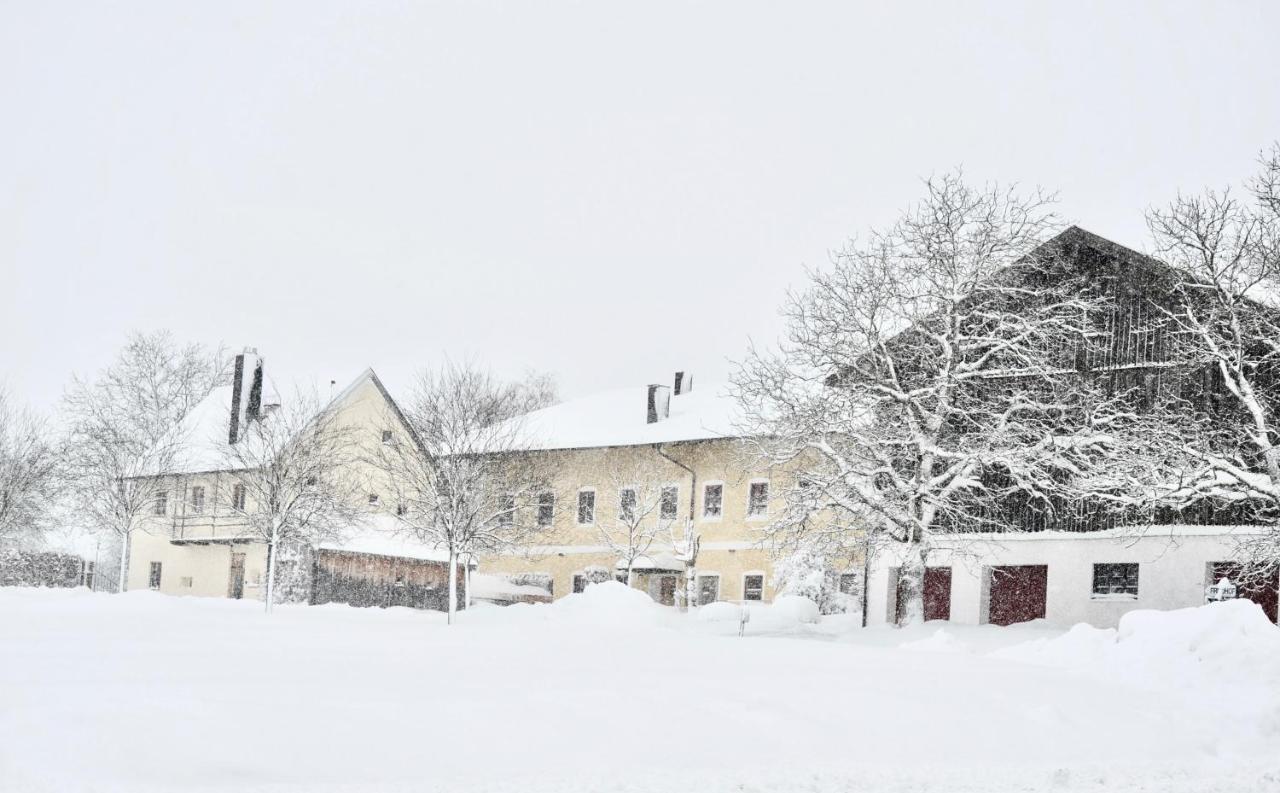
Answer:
x=609 y=603
x=795 y=608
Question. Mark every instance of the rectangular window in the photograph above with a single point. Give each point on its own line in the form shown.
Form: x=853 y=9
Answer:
x=1115 y=579
x=670 y=502
x=197 y=500
x=712 y=501
x=161 y=506
x=87 y=578
x=153 y=581
x=708 y=589
x=507 y=511
x=186 y=582
x=758 y=501
x=627 y=504
x=753 y=586
x=546 y=508
x=373 y=499
x=237 y=497
x=386 y=437
x=579 y=583
x=586 y=507
x=402 y=510
x=849 y=583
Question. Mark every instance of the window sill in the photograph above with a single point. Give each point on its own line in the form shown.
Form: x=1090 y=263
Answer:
x=1114 y=598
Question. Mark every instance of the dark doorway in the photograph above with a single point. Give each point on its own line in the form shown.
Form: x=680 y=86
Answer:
x=667 y=590
x=1264 y=593
x=1018 y=594
x=235 y=589
x=937 y=593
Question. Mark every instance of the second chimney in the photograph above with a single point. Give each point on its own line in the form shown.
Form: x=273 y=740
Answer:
x=684 y=383
x=246 y=393
x=659 y=403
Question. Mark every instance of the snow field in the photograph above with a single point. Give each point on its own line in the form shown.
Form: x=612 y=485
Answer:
x=607 y=691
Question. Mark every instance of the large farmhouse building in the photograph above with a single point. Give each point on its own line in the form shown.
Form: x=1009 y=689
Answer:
x=196 y=539
x=1076 y=564
x=672 y=445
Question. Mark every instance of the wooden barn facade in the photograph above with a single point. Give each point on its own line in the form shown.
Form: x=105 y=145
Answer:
x=367 y=579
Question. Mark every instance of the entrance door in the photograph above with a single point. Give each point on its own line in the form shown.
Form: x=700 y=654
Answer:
x=1264 y=593
x=1018 y=594
x=667 y=590
x=937 y=593
x=236 y=587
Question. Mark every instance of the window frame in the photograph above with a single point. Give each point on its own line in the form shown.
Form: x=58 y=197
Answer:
x=238 y=497
x=160 y=504
x=708 y=575
x=547 y=501
x=751 y=485
x=196 y=504
x=507 y=511
x=635 y=503
x=1100 y=572
x=675 y=501
x=704 y=517
x=752 y=574
x=583 y=491
x=155 y=576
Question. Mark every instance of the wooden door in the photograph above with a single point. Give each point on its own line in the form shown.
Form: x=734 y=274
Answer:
x=937 y=593
x=1018 y=594
x=235 y=588
x=667 y=590
x=1264 y=593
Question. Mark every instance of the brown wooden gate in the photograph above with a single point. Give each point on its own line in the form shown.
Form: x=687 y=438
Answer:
x=937 y=593
x=1264 y=593
x=1018 y=594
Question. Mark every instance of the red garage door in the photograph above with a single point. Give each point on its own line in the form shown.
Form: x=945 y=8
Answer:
x=937 y=594
x=1264 y=593
x=1018 y=594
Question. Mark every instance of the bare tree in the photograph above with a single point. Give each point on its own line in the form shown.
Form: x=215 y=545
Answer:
x=1226 y=251
x=465 y=479
x=297 y=467
x=29 y=468
x=645 y=513
x=926 y=381
x=123 y=429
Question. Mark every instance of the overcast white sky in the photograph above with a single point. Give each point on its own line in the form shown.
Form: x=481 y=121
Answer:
x=605 y=191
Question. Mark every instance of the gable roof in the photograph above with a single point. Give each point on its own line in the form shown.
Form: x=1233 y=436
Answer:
x=619 y=418
x=204 y=446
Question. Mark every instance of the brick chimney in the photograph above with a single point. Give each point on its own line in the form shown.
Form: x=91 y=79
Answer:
x=246 y=393
x=683 y=384
x=659 y=403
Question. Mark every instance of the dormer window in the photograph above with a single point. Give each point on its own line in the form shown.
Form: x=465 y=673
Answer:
x=373 y=499
x=387 y=438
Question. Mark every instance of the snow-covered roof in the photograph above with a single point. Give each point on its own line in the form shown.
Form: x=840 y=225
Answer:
x=619 y=418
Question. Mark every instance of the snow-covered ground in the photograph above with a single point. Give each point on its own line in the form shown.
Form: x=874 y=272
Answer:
x=607 y=692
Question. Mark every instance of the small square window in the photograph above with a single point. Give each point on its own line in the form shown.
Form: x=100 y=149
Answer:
x=753 y=587
x=850 y=583
x=373 y=499
x=712 y=501
x=186 y=582
x=758 y=501
x=402 y=510
x=586 y=507
x=1115 y=580
x=387 y=438
x=670 y=503
x=708 y=589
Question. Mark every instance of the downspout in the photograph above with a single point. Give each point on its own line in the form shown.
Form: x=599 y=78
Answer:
x=691 y=583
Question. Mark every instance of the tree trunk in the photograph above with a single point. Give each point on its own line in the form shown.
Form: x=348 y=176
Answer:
x=911 y=587
x=453 y=585
x=272 y=547
x=123 y=584
x=690 y=588
x=631 y=577
x=466 y=580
